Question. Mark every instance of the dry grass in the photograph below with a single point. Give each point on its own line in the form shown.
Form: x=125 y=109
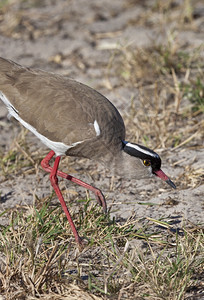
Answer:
x=167 y=113
x=38 y=256
x=171 y=93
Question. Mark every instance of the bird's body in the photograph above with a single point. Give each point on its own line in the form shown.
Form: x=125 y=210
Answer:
x=40 y=97
x=73 y=119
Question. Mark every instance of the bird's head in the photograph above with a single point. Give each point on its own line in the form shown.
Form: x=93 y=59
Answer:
x=148 y=162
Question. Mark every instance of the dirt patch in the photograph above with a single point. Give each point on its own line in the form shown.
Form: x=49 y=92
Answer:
x=144 y=56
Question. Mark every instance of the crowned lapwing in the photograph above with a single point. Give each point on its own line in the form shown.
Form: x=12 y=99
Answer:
x=73 y=119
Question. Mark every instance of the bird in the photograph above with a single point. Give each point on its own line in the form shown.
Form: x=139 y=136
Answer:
x=73 y=119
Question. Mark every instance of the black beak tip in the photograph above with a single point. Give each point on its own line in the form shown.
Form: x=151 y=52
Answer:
x=171 y=183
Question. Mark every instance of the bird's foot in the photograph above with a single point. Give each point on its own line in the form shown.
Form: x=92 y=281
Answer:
x=101 y=199
x=82 y=243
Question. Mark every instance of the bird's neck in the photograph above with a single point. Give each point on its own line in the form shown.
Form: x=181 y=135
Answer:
x=118 y=164
x=126 y=166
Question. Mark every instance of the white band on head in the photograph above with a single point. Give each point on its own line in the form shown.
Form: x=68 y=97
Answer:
x=138 y=148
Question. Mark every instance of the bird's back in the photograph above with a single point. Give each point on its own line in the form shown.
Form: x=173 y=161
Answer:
x=63 y=110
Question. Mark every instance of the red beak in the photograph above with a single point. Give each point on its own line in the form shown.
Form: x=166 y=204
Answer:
x=163 y=177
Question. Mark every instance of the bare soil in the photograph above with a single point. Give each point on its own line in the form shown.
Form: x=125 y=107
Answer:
x=85 y=40
x=74 y=38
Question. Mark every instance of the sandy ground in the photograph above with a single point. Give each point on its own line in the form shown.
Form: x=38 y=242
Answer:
x=76 y=38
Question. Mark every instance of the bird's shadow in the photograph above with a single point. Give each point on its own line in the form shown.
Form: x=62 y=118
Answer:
x=5 y=197
x=174 y=220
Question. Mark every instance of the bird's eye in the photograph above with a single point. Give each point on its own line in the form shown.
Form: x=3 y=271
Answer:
x=147 y=162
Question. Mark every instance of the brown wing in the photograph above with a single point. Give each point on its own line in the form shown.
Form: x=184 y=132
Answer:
x=60 y=108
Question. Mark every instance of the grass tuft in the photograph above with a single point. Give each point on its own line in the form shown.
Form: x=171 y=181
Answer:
x=39 y=255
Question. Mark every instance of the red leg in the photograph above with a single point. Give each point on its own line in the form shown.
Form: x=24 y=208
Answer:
x=98 y=194
x=54 y=182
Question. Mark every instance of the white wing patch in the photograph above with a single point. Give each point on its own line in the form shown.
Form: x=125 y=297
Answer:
x=57 y=147
x=97 y=128
x=11 y=109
